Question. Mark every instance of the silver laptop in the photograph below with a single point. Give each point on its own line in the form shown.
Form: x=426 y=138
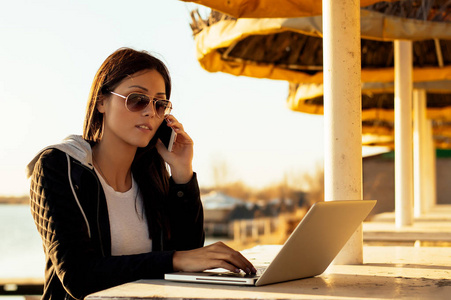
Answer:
x=308 y=251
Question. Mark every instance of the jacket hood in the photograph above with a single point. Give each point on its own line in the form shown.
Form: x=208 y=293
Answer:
x=74 y=145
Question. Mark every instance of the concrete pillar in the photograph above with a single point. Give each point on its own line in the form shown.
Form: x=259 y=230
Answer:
x=431 y=182
x=403 y=134
x=420 y=153
x=343 y=112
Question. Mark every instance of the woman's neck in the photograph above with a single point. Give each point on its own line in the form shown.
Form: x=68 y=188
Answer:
x=113 y=161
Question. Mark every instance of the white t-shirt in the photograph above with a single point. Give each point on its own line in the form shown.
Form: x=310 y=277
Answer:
x=128 y=224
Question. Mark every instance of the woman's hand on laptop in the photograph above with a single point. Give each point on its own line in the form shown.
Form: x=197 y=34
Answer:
x=217 y=255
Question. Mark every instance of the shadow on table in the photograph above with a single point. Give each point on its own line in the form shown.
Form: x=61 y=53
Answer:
x=336 y=285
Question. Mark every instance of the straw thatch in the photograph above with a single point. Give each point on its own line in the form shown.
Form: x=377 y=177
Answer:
x=306 y=8
x=386 y=101
x=426 y=10
x=296 y=51
x=378 y=117
x=300 y=52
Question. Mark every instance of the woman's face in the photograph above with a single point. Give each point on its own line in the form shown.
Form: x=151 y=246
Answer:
x=132 y=128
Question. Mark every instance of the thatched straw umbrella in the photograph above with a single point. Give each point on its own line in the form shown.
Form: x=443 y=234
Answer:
x=291 y=49
x=268 y=9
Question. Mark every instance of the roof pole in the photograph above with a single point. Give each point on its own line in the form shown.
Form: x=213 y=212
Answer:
x=403 y=134
x=342 y=112
x=431 y=165
x=420 y=153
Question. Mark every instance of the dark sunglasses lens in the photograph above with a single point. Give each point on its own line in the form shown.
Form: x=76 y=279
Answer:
x=137 y=102
x=161 y=107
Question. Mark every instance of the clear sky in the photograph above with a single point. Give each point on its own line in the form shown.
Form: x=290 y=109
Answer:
x=51 y=49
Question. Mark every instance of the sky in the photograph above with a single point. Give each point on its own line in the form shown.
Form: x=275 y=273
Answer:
x=51 y=49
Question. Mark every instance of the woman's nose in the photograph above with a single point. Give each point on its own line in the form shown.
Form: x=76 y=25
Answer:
x=149 y=110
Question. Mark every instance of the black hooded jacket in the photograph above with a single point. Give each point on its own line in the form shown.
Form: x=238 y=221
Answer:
x=70 y=211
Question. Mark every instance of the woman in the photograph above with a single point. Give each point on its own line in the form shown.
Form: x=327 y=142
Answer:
x=105 y=205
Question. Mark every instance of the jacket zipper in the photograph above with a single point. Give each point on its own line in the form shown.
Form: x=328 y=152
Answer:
x=98 y=204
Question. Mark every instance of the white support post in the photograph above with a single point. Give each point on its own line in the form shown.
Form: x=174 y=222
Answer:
x=403 y=134
x=432 y=168
x=343 y=112
x=420 y=153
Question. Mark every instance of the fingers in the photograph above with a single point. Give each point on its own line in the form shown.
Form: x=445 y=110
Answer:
x=179 y=129
x=217 y=255
x=174 y=123
x=230 y=259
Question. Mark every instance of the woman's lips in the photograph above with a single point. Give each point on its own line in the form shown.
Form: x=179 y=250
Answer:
x=144 y=127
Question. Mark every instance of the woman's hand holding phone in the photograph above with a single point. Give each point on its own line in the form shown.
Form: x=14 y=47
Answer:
x=181 y=157
x=167 y=135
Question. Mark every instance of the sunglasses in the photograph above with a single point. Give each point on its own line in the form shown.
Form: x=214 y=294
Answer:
x=135 y=102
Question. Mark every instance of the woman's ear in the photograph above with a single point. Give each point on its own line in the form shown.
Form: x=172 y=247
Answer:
x=100 y=105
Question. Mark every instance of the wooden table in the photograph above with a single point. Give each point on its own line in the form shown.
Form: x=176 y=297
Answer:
x=388 y=272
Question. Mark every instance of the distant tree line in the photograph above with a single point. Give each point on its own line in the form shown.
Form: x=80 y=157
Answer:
x=290 y=187
x=14 y=200
x=311 y=186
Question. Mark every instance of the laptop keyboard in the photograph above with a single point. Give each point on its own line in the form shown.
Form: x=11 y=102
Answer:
x=260 y=271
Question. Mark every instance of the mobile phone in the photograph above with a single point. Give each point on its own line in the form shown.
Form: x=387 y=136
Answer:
x=166 y=134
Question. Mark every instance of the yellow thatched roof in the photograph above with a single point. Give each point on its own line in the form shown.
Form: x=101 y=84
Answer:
x=216 y=43
x=290 y=49
x=378 y=109
x=270 y=8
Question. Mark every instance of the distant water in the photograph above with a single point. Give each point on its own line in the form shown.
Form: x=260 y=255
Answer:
x=21 y=254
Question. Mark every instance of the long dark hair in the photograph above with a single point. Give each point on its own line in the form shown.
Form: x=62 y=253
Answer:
x=148 y=167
